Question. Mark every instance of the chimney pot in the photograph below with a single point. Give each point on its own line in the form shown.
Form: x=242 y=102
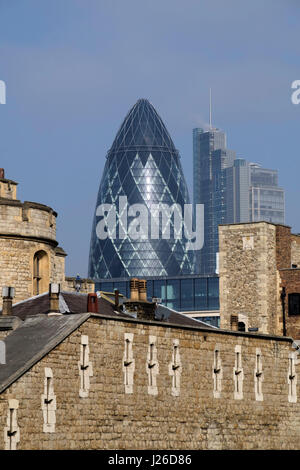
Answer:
x=54 y=290
x=134 y=289
x=92 y=303
x=2 y=173
x=8 y=294
x=116 y=298
x=143 y=289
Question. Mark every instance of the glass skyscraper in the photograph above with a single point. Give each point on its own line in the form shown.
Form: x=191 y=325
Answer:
x=266 y=197
x=210 y=158
x=232 y=191
x=144 y=166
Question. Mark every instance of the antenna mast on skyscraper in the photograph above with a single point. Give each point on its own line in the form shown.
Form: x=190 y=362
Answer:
x=210 y=126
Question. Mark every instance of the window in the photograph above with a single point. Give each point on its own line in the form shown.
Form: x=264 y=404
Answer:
x=217 y=373
x=49 y=402
x=85 y=367
x=292 y=379
x=258 y=376
x=128 y=363
x=40 y=272
x=152 y=366
x=12 y=431
x=294 y=304
x=175 y=369
x=238 y=375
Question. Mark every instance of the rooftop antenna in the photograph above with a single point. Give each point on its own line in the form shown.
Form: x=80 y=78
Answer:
x=210 y=126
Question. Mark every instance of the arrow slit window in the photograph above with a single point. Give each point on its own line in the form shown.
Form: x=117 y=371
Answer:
x=238 y=375
x=128 y=363
x=258 y=376
x=152 y=366
x=12 y=430
x=49 y=402
x=217 y=373
x=175 y=368
x=85 y=367
x=292 y=379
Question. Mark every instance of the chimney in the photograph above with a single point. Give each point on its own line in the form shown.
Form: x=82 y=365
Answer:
x=116 y=298
x=134 y=289
x=54 y=290
x=2 y=173
x=234 y=322
x=8 y=294
x=92 y=303
x=143 y=290
x=138 y=303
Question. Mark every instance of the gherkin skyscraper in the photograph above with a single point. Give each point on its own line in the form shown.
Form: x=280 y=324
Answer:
x=144 y=166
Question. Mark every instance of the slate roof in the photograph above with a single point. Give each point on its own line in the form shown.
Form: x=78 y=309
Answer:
x=76 y=303
x=70 y=302
x=34 y=334
x=32 y=340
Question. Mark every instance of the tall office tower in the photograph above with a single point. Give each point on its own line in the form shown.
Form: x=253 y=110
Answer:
x=237 y=183
x=266 y=200
x=210 y=158
x=143 y=166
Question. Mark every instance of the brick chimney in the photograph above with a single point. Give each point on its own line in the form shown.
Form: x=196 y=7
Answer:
x=2 y=174
x=8 y=294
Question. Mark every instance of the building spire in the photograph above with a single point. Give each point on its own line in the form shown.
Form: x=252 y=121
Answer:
x=210 y=125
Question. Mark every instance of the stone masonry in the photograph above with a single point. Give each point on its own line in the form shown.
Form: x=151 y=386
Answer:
x=109 y=418
x=27 y=228
x=256 y=261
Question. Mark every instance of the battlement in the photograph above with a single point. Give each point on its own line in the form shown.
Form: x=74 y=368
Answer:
x=27 y=219
x=29 y=256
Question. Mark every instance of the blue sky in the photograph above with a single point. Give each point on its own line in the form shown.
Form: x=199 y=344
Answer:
x=73 y=68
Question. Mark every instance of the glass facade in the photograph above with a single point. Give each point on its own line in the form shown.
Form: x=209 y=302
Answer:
x=266 y=197
x=144 y=166
x=232 y=191
x=210 y=158
x=184 y=294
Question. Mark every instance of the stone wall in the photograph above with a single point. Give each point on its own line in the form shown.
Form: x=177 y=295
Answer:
x=16 y=265
x=25 y=229
x=290 y=279
x=255 y=263
x=190 y=414
x=248 y=275
x=295 y=250
x=87 y=285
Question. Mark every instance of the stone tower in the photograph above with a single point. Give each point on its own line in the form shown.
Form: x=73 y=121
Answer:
x=30 y=257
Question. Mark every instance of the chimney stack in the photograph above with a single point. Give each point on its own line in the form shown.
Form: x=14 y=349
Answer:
x=92 y=303
x=2 y=173
x=134 y=289
x=138 y=303
x=8 y=294
x=54 y=290
x=143 y=290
